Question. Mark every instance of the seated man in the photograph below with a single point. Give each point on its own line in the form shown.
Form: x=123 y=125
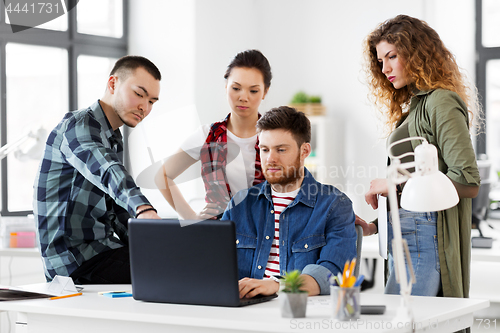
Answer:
x=83 y=194
x=290 y=221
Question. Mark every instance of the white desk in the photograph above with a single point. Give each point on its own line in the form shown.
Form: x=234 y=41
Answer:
x=94 y=313
x=485 y=268
x=489 y=255
x=19 y=252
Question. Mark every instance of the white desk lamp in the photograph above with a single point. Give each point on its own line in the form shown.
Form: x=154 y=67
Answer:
x=23 y=152
x=426 y=190
x=28 y=146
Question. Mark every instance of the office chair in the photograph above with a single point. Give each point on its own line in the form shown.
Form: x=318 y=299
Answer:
x=359 y=245
x=481 y=204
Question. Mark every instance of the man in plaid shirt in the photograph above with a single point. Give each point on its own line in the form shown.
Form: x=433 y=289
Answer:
x=83 y=194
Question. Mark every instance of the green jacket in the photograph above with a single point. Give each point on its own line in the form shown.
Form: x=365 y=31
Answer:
x=441 y=117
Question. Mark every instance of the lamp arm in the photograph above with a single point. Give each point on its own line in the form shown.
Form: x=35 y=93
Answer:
x=10 y=147
x=403 y=167
x=405 y=312
x=400 y=157
x=411 y=138
x=37 y=135
x=402 y=174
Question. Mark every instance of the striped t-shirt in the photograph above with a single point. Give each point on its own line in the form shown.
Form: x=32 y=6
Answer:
x=280 y=201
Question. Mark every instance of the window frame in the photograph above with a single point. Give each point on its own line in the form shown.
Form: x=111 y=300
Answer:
x=483 y=55
x=76 y=44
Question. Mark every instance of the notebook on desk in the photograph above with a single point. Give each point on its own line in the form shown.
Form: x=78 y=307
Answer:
x=190 y=264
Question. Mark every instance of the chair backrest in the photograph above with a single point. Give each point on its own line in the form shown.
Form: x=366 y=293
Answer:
x=481 y=202
x=359 y=244
x=484 y=167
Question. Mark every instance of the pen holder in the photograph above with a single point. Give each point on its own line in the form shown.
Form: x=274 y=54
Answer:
x=345 y=302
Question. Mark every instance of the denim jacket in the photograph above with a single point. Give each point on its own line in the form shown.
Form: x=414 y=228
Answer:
x=317 y=233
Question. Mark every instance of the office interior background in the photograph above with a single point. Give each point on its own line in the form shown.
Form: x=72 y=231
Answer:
x=313 y=46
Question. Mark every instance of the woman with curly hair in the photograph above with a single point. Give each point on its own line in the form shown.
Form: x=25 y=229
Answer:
x=415 y=79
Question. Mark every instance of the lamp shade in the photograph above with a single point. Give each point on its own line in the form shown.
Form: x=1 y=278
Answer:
x=428 y=189
x=429 y=193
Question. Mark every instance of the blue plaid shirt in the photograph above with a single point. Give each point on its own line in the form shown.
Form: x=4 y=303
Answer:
x=83 y=195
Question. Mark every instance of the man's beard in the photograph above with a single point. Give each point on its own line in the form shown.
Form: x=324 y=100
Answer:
x=289 y=175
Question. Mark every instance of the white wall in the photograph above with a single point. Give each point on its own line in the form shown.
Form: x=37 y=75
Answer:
x=313 y=45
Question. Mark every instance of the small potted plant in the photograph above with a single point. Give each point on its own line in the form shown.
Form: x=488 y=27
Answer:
x=293 y=300
x=300 y=98
x=310 y=105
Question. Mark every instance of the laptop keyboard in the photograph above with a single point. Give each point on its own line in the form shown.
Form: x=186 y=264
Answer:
x=256 y=299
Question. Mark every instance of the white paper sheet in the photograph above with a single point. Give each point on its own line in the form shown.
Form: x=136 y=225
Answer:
x=60 y=286
x=382 y=226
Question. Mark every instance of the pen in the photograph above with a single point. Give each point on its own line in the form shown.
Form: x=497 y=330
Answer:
x=114 y=292
x=351 y=280
x=344 y=274
x=352 y=266
x=336 y=281
x=359 y=280
x=65 y=296
x=116 y=295
x=339 y=279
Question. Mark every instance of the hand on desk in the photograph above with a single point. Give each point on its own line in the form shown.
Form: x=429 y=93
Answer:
x=253 y=287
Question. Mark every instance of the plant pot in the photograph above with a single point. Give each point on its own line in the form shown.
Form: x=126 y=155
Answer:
x=293 y=305
x=310 y=109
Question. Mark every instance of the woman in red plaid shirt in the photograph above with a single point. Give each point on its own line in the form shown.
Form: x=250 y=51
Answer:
x=228 y=149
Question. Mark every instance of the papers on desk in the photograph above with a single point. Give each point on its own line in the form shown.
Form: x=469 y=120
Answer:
x=60 y=286
x=16 y=294
x=319 y=302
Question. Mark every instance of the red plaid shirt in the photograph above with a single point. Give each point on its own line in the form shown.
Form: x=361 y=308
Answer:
x=213 y=164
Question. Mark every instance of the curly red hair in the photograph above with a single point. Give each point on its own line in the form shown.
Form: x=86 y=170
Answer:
x=427 y=63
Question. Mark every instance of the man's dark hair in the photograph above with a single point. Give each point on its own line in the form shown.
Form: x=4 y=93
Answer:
x=288 y=119
x=252 y=59
x=127 y=64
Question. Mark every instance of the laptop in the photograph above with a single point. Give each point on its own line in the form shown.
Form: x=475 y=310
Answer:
x=185 y=262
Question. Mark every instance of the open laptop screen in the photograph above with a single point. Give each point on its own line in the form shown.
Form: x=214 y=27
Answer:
x=189 y=263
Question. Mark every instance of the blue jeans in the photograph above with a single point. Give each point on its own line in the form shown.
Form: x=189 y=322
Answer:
x=420 y=232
